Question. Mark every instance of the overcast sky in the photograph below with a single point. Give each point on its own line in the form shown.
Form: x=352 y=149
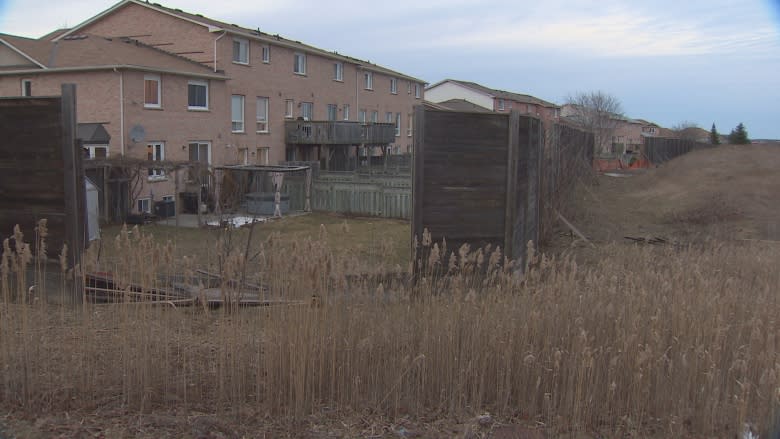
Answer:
x=667 y=61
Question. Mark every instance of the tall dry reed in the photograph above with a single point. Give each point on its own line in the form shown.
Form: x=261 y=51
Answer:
x=666 y=340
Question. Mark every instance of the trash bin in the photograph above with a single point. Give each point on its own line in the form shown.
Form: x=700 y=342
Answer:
x=189 y=202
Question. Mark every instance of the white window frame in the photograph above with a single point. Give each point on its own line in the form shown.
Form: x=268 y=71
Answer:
x=500 y=104
x=409 y=87
x=198 y=83
x=397 y=124
x=417 y=93
x=299 y=63
x=409 y=127
x=289 y=104
x=266 y=53
x=394 y=86
x=233 y=120
x=338 y=71
x=139 y=205
x=198 y=144
x=263 y=155
x=333 y=112
x=242 y=43
x=261 y=124
x=362 y=116
x=169 y=198
x=25 y=83
x=389 y=117
x=156 y=78
x=368 y=80
x=310 y=106
x=90 y=150
x=156 y=173
x=346 y=112
x=375 y=116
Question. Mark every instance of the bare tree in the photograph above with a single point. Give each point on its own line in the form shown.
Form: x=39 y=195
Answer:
x=687 y=130
x=595 y=111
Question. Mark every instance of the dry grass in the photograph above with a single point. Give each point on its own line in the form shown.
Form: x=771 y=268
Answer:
x=651 y=341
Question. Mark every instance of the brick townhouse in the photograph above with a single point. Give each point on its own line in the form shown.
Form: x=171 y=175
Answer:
x=470 y=96
x=256 y=98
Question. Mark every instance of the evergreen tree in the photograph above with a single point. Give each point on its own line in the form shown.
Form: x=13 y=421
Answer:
x=739 y=135
x=714 y=136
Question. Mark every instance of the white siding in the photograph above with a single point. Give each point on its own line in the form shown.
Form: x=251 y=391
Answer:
x=448 y=90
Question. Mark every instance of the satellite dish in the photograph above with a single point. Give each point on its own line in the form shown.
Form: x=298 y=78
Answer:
x=137 y=133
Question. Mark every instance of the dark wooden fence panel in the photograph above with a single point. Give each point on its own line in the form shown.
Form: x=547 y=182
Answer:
x=40 y=170
x=662 y=149
x=491 y=178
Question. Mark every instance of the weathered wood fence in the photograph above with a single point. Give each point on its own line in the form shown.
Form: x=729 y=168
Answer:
x=41 y=176
x=662 y=149
x=488 y=179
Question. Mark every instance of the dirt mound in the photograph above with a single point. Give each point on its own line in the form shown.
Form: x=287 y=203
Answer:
x=729 y=191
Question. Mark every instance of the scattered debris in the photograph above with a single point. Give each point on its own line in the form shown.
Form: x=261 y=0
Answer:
x=236 y=221
x=615 y=174
x=652 y=241
x=573 y=229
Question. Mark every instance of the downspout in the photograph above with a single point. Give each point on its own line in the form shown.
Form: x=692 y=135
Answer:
x=121 y=112
x=215 y=49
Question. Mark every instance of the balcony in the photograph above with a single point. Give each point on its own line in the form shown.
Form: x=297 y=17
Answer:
x=299 y=132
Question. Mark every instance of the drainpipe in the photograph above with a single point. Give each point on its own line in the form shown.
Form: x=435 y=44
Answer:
x=215 y=49
x=121 y=112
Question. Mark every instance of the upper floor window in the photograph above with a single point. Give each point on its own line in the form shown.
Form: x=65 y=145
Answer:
x=240 y=51
x=26 y=87
x=375 y=116
x=394 y=86
x=237 y=113
x=299 y=63
x=368 y=80
x=409 y=126
x=417 y=91
x=409 y=87
x=389 y=117
x=95 y=151
x=362 y=116
x=262 y=115
x=152 y=91
x=198 y=95
x=307 y=110
x=200 y=152
x=338 y=71
x=500 y=105
x=346 y=112
x=266 y=54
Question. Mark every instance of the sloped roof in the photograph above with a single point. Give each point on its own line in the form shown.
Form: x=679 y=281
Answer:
x=500 y=94
x=92 y=133
x=91 y=51
x=54 y=34
x=219 y=26
x=463 y=105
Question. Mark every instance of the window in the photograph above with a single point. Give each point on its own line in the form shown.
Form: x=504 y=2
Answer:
x=263 y=155
x=262 y=115
x=417 y=91
x=362 y=116
x=307 y=110
x=500 y=105
x=409 y=126
x=389 y=117
x=152 y=91
x=409 y=87
x=200 y=152
x=155 y=152
x=394 y=86
x=144 y=205
x=26 y=87
x=346 y=111
x=168 y=198
x=368 y=80
x=397 y=124
x=95 y=151
x=237 y=113
x=338 y=71
x=375 y=116
x=240 y=51
x=266 y=54
x=299 y=63
x=333 y=111
x=288 y=108
x=198 y=95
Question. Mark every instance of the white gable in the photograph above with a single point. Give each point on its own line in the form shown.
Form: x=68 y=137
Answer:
x=451 y=90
